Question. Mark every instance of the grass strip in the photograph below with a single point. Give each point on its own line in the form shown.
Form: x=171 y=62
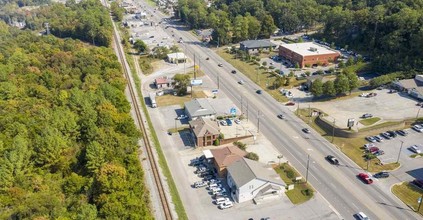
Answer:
x=302 y=191
x=408 y=194
x=369 y=121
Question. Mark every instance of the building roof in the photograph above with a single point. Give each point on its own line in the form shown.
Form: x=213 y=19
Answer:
x=410 y=83
x=178 y=55
x=162 y=80
x=245 y=170
x=250 y=44
x=227 y=155
x=202 y=126
x=308 y=49
x=199 y=107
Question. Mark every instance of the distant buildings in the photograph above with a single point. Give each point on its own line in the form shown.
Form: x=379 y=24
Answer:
x=307 y=53
x=177 y=57
x=254 y=46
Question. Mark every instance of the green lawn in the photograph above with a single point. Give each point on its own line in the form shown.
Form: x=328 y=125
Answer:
x=302 y=191
x=416 y=155
x=369 y=121
x=381 y=125
x=352 y=147
x=169 y=99
x=408 y=194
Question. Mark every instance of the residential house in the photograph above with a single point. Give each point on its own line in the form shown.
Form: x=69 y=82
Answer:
x=205 y=131
x=163 y=82
x=252 y=180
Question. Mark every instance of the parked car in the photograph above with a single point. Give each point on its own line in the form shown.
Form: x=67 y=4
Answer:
x=306 y=130
x=378 y=138
x=182 y=117
x=259 y=91
x=373 y=149
x=209 y=177
x=418 y=128
x=233 y=71
x=237 y=121
x=402 y=132
x=365 y=178
x=379 y=152
x=371 y=139
x=226 y=205
x=214 y=181
x=415 y=149
x=221 y=200
x=241 y=82
x=200 y=184
x=386 y=135
x=219 y=194
x=372 y=94
x=369 y=145
x=281 y=116
x=393 y=134
x=290 y=103
x=332 y=160
x=364 y=94
x=223 y=122
x=362 y=216
x=381 y=175
x=367 y=115
x=229 y=122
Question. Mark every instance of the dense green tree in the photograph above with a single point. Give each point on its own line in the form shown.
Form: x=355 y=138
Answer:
x=140 y=46
x=341 y=84
x=181 y=83
x=353 y=82
x=329 y=88
x=317 y=87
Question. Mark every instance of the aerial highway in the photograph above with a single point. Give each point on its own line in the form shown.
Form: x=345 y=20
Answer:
x=339 y=185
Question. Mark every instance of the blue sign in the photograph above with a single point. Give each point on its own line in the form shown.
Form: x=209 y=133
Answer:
x=233 y=111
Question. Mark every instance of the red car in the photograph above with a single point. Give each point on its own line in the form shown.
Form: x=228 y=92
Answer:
x=290 y=104
x=365 y=178
x=373 y=149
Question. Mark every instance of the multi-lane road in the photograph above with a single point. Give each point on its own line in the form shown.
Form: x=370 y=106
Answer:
x=337 y=184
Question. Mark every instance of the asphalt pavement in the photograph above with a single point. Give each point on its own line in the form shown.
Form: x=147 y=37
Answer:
x=338 y=184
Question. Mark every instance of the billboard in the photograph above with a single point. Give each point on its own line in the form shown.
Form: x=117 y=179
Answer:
x=351 y=122
x=196 y=82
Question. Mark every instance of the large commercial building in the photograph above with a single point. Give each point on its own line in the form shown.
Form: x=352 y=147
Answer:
x=307 y=53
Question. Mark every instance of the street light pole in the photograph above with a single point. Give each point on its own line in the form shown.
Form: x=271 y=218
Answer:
x=247 y=111
x=218 y=80
x=420 y=202
x=333 y=130
x=280 y=157
x=399 y=153
x=308 y=162
x=258 y=121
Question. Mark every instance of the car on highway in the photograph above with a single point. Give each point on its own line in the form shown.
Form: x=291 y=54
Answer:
x=233 y=71
x=241 y=82
x=402 y=132
x=220 y=64
x=281 y=116
x=367 y=115
x=332 y=160
x=365 y=178
x=290 y=104
x=371 y=139
x=418 y=128
x=306 y=130
x=259 y=91
x=226 y=205
x=415 y=149
x=362 y=216
x=207 y=58
x=381 y=175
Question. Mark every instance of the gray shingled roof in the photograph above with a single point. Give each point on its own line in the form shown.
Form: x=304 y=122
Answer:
x=201 y=126
x=199 y=107
x=245 y=170
x=253 y=44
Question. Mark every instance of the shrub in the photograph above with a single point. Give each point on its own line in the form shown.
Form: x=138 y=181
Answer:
x=290 y=174
x=216 y=142
x=258 y=59
x=240 y=145
x=221 y=136
x=252 y=156
x=271 y=67
x=307 y=192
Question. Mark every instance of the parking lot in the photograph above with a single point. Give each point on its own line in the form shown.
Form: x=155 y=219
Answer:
x=387 y=106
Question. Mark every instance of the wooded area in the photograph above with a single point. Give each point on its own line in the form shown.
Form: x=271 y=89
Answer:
x=391 y=32
x=68 y=146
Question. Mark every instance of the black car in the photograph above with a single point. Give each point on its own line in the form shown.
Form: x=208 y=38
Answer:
x=402 y=132
x=281 y=116
x=233 y=71
x=332 y=160
x=259 y=91
x=306 y=130
x=381 y=175
x=392 y=134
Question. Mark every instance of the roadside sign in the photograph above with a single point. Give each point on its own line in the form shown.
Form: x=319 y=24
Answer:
x=196 y=82
x=215 y=91
x=419 y=200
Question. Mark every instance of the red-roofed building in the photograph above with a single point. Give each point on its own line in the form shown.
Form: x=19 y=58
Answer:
x=163 y=82
x=224 y=157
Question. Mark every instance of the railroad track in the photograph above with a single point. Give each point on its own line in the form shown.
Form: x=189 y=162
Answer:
x=139 y=119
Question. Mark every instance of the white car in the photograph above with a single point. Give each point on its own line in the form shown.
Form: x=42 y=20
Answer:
x=362 y=216
x=200 y=184
x=415 y=149
x=237 y=121
x=364 y=94
x=223 y=122
x=221 y=200
x=369 y=145
x=182 y=117
x=226 y=205
x=418 y=128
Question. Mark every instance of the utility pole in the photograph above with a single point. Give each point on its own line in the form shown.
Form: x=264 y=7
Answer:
x=420 y=202
x=309 y=114
x=308 y=162
x=194 y=65
x=280 y=157
x=241 y=104
x=257 y=75
x=247 y=109
x=399 y=153
x=218 y=80
x=417 y=116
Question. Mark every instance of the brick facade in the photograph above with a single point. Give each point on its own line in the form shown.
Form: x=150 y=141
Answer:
x=309 y=59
